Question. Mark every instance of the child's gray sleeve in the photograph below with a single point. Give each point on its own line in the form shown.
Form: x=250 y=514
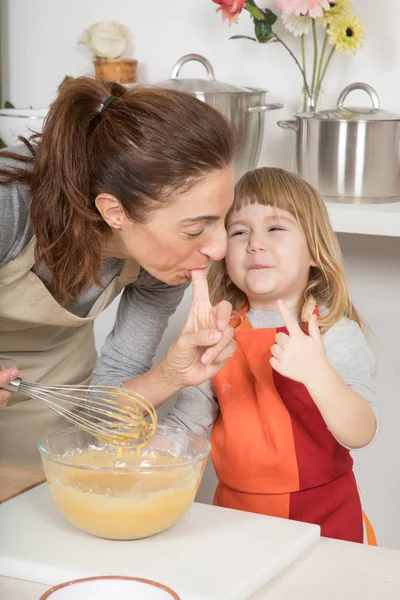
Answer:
x=196 y=409
x=349 y=354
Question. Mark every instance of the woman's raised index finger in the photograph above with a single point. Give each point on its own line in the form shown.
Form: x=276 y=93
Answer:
x=201 y=307
x=200 y=287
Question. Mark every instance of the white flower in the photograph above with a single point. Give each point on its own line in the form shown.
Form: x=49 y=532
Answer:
x=297 y=25
x=106 y=40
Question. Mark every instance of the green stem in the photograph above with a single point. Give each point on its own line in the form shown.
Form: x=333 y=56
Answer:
x=315 y=62
x=321 y=61
x=328 y=60
x=304 y=64
x=278 y=39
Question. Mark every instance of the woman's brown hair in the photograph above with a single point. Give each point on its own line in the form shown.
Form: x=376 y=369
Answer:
x=147 y=144
x=327 y=283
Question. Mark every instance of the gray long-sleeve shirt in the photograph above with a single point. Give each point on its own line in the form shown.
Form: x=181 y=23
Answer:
x=144 y=308
x=196 y=408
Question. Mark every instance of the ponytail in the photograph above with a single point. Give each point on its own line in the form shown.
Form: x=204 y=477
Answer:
x=135 y=149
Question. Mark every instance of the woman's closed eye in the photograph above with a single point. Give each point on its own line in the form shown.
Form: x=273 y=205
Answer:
x=194 y=234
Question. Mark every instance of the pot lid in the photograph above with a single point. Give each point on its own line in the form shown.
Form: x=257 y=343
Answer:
x=354 y=113
x=200 y=86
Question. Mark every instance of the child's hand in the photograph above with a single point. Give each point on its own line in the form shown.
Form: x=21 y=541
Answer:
x=298 y=356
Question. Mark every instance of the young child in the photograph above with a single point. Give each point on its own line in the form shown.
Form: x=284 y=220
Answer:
x=297 y=395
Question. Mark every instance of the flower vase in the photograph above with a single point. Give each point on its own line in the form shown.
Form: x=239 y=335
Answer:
x=311 y=102
x=121 y=70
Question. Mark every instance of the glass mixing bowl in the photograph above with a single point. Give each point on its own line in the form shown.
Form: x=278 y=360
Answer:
x=117 y=492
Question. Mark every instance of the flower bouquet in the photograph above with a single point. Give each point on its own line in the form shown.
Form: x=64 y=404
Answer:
x=342 y=32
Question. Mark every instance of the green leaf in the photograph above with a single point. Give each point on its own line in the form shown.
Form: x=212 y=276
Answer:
x=263 y=31
x=254 y=11
x=242 y=37
x=271 y=17
x=8 y=104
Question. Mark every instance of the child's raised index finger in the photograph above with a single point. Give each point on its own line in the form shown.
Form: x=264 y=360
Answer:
x=200 y=287
x=291 y=324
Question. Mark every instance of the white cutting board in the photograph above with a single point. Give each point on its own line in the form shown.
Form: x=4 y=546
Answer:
x=210 y=554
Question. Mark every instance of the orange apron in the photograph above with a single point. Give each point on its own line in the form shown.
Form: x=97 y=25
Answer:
x=48 y=344
x=272 y=451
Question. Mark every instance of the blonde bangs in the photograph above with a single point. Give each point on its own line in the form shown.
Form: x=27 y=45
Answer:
x=255 y=188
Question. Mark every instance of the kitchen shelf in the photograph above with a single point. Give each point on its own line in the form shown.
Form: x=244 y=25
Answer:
x=367 y=219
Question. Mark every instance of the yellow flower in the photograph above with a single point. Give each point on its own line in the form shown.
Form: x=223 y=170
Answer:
x=346 y=34
x=337 y=10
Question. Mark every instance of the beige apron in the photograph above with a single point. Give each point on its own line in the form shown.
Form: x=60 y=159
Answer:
x=48 y=344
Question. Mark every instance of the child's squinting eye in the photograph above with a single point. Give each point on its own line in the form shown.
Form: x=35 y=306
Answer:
x=237 y=233
x=276 y=229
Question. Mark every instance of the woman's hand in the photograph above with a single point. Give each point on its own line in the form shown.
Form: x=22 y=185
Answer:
x=299 y=356
x=6 y=376
x=205 y=342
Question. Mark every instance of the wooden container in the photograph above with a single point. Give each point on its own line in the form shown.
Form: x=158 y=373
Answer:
x=122 y=70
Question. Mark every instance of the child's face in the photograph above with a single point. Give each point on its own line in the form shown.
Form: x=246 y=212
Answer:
x=267 y=257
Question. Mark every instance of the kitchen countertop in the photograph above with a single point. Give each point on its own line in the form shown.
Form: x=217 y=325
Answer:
x=330 y=570
x=366 y=219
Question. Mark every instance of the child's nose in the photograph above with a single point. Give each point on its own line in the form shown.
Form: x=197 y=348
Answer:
x=256 y=243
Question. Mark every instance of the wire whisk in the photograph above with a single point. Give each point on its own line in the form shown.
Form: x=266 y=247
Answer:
x=114 y=415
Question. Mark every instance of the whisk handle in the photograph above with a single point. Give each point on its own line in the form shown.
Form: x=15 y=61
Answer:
x=13 y=386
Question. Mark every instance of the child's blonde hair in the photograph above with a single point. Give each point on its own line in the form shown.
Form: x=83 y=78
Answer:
x=326 y=284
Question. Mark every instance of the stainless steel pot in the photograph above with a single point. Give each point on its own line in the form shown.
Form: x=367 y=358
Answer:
x=350 y=154
x=243 y=107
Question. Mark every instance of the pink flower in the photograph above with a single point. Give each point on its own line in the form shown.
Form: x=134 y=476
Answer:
x=312 y=8
x=230 y=9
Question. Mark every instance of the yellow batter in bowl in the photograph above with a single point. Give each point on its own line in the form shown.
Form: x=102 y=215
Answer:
x=116 y=493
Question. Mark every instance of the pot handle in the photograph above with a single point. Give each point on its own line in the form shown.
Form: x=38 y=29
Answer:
x=187 y=58
x=288 y=125
x=359 y=86
x=264 y=108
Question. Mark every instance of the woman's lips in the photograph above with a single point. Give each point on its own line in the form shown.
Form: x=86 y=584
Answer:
x=188 y=272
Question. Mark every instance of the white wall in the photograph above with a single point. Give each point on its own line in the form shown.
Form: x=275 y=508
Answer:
x=41 y=38
x=39 y=47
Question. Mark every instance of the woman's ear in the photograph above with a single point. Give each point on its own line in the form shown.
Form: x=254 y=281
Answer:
x=111 y=210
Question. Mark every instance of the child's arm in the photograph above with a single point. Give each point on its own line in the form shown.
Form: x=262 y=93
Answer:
x=346 y=412
x=348 y=353
x=196 y=409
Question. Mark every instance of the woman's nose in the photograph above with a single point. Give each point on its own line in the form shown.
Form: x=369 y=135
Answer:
x=216 y=249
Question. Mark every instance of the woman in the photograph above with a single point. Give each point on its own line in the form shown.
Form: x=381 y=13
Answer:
x=124 y=189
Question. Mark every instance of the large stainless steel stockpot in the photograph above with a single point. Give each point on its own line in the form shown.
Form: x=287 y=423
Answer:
x=244 y=107
x=350 y=154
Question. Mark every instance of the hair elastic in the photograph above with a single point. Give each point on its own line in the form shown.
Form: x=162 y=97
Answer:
x=105 y=104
